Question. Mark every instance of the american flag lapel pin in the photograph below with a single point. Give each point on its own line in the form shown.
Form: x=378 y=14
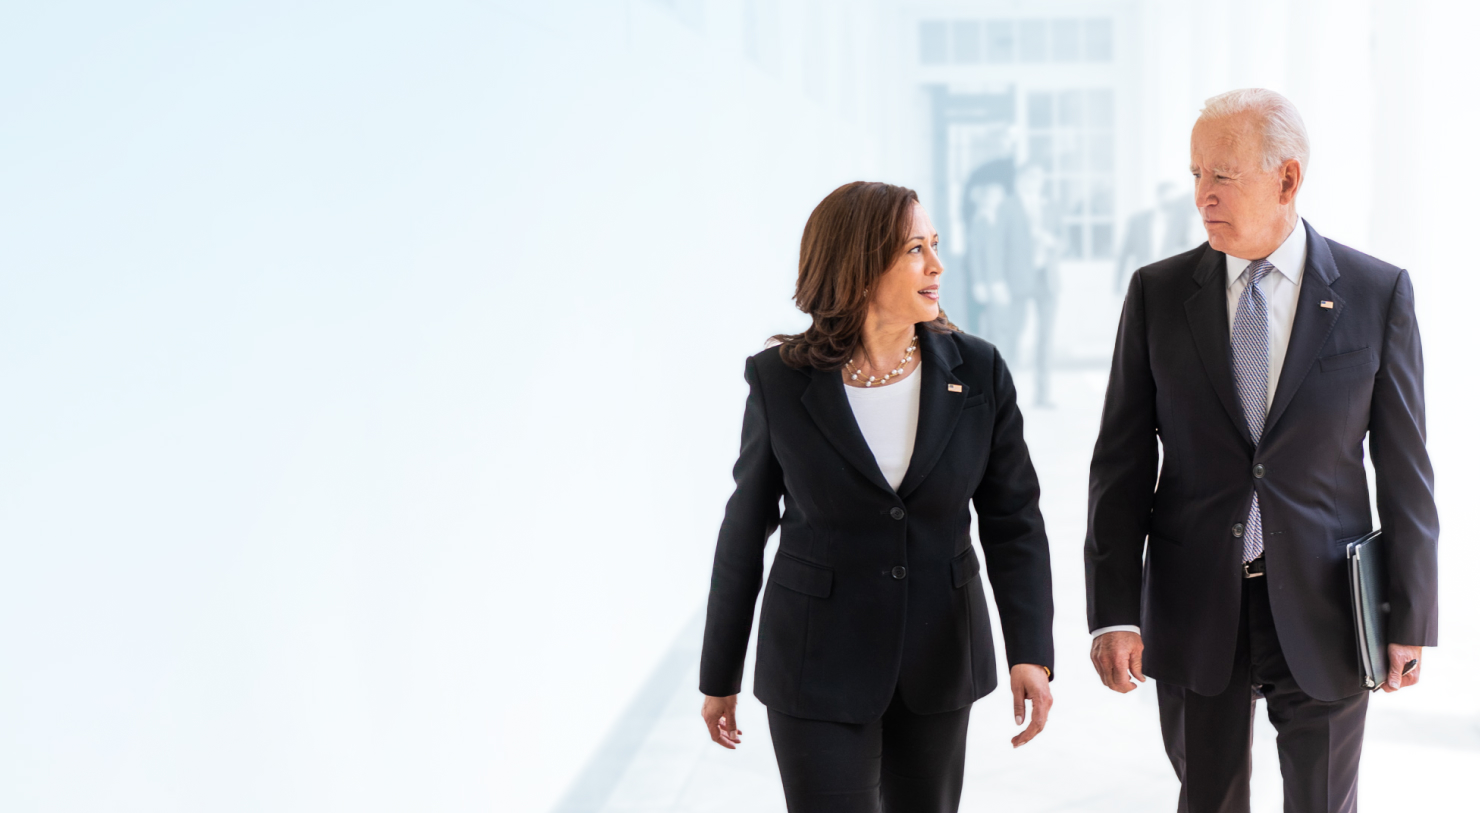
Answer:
x=953 y=387
x=1326 y=303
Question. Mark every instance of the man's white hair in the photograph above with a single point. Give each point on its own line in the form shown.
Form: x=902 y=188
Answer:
x=1283 y=129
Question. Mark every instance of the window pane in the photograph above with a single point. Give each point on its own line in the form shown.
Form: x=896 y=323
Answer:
x=932 y=42
x=1101 y=241
x=999 y=40
x=966 y=41
x=1071 y=193
x=1074 y=241
x=1071 y=108
x=1099 y=152
x=1102 y=197
x=1097 y=41
x=1065 y=40
x=1099 y=108
x=1071 y=157
x=1040 y=151
x=1032 y=41
x=1040 y=110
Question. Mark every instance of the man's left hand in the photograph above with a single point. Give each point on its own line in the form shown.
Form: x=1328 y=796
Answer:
x=1398 y=657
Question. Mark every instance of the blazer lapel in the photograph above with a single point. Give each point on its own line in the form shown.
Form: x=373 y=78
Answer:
x=1313 y=323
x=1207 y=315
x=827 y=403
x=940 y=408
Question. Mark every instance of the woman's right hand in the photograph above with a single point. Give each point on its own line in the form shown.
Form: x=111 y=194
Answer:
x=719 y=715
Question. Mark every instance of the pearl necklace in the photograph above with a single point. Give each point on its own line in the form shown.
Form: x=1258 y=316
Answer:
x=909 y=353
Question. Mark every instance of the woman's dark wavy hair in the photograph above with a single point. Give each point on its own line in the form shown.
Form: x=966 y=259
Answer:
x=853 y=236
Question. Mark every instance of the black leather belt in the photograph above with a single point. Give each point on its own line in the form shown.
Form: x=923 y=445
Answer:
x=1254 y=569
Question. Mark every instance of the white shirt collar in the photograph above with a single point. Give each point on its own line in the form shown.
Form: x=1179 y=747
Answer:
x=1288 y=259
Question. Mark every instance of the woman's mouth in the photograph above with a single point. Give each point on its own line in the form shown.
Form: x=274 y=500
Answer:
x=932 y=294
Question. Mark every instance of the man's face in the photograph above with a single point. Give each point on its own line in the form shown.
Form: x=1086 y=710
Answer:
x=1246 y=210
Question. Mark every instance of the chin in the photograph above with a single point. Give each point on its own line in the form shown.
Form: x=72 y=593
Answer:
x=1219 y=240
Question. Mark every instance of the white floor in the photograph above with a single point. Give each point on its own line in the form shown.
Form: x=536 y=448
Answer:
x=1101 y=751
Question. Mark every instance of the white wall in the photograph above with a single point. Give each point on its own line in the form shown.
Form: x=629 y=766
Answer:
x=366 y=365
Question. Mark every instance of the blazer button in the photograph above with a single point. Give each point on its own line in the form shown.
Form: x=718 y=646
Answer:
x=897 y=513
x=1238 y=529
x=1258 y=470
x=898 y=571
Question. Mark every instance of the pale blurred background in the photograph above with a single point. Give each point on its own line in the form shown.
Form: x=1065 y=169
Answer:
x=372 y=371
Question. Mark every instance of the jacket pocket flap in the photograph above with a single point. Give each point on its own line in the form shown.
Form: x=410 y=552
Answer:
x=964 y=567
x=1355 y=358
x=803 y=577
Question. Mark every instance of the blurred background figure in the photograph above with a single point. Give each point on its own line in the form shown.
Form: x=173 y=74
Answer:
x=1001 y=256
x=984 y=201
x=1045 y=226
x=1170 y=227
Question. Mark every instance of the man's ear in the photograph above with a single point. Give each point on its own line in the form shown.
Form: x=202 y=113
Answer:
x=1291 y=174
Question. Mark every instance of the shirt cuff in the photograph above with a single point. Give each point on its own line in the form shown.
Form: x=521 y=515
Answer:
x=1119 y=628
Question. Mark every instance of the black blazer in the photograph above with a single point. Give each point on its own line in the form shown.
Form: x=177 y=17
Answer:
x=1353 y=370
x=871 y=589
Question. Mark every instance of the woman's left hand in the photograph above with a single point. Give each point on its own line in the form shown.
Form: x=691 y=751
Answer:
x=1030 y=682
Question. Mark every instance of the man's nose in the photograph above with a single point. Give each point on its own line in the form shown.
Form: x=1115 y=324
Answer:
x=1203 y=196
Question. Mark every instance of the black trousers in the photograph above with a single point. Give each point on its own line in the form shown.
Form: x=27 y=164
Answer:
x=1209 y=739
x=901 y=763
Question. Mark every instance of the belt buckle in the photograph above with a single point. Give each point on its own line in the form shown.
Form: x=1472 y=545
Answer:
x=1249 y=575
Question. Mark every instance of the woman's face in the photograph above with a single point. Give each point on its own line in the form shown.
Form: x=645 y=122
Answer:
x=909 y=291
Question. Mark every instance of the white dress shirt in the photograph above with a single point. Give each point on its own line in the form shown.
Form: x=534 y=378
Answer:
x=889 y=416
x=1281 y=291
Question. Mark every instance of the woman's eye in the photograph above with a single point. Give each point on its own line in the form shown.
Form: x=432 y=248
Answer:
x=916 y=250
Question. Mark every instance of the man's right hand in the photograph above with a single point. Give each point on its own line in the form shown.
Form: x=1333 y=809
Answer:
x=1117 y=657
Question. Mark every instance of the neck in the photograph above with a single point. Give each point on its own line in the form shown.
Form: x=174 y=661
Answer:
x=884 y=342
x=1279 y=233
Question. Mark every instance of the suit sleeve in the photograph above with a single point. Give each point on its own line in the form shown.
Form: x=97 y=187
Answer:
x=1012 y=534
x=751 y=516
x=1405 y=478
x=1122 y=475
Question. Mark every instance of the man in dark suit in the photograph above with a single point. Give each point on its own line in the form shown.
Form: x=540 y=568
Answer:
x=1260 y=361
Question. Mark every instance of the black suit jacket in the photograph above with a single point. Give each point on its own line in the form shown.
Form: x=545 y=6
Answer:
x=872 y=589
x=1353 y=370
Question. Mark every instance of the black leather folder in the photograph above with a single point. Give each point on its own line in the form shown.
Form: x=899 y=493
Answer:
x=1367 y=574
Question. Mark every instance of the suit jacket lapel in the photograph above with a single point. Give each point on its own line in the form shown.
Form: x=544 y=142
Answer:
x=940 y=408
x=1313 y=323
x=827 y=403
x=1207 y=315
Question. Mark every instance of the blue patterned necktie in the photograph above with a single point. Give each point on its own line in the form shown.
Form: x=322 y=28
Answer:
x=1251 y=373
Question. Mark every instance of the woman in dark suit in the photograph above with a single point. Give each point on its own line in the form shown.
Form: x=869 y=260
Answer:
x=878 y=425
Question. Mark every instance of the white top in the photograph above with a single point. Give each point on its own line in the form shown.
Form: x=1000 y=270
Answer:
x=889 y=416
x=1281 y=292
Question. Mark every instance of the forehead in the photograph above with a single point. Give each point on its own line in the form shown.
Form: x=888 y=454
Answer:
x=1228 y=140
x=920 y=221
